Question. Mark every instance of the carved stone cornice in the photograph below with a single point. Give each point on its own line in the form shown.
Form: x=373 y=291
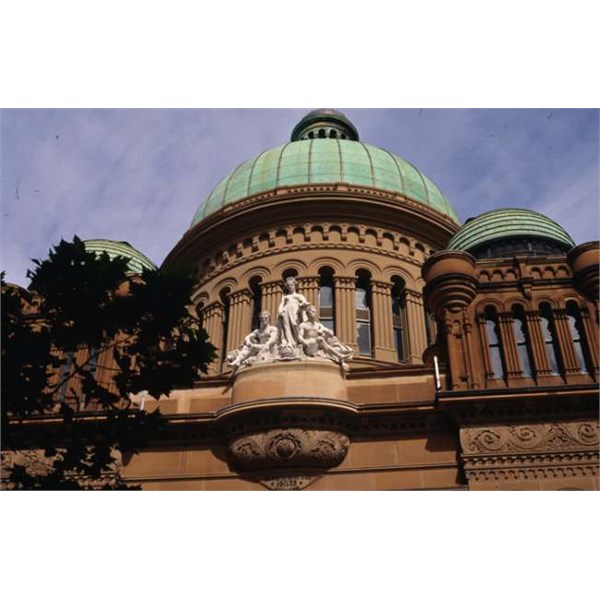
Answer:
x=288 y=448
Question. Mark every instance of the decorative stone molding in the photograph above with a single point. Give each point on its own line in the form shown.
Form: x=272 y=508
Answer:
x=524 y=452
x=288 y=448
x=539 y=437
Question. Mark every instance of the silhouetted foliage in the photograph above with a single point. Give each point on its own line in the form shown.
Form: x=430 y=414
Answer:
x=81 y=300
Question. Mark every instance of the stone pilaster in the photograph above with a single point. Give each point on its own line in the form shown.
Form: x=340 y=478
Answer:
x=591 y=341
x=487 y=364
x=271 y=297
x=541 y=364
x=240 y=318
x=383 y=327
x=212 y=321
x=309 y=288
x=345 y=309
x=567 y=351
x=473 y=365
x=415 y=317
x=509 y=346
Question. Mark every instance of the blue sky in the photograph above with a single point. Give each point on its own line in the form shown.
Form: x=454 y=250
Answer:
x=139 y=175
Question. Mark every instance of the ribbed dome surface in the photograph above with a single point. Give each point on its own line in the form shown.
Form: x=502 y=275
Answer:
x=507 y=223
x=137 y=262
x=325 y=161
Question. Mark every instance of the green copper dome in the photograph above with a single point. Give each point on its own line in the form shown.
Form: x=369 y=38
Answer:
x=508 y=224
x=137 y=261
x=311 y=158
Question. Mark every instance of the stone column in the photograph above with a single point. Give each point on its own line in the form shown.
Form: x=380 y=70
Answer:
x=415 y=317
x=453 y=354
x=271 y=297
x=383 y=327
x=240 y=318
x=567 y=350
x=487 y=365
x=212 y=321
x=309 y=287
x=591 y=341
x=541 y=364
x=509 y=345
x=345 y=309
x=473 y=365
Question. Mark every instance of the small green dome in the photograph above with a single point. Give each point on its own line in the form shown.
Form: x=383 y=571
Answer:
x=505 y=224
x=312 y=159
x=137 y=262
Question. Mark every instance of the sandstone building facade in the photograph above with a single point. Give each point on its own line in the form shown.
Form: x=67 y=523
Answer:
x=475 y=346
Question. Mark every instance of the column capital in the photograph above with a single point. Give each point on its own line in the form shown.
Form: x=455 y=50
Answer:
x=379 y=285
x=240 y=296
x=345 y=282
x=271 y=286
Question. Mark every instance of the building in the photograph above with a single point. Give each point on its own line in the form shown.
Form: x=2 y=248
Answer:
x=475 y=346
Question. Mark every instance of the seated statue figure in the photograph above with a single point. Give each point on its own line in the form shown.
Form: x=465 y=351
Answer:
x=318 y=341
x=258 y=344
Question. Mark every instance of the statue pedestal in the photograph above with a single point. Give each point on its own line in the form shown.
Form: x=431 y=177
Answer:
x=311 y=380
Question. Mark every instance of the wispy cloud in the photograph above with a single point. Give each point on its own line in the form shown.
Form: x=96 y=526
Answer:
x=139 y=175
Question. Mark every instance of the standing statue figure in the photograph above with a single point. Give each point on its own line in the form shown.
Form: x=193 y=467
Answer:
x=318 y=341
x=258 y=345
x=291 y=313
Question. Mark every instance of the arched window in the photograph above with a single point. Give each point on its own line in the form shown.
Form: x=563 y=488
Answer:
x=332 y=133
x=256 y=301
x=494 y=344
x=322 y=133
x=522 y=339
x=289 y=273
x=399 y=317
x=549 y=335
x=326 y=298
x=224 y=295
x=577 y=335
x=363 y=313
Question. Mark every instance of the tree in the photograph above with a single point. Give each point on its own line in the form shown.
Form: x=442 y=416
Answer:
x=67 y=425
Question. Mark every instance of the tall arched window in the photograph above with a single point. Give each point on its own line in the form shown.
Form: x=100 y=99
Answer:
x=256 y=301
x=363 y=313
x=326 y=298
x=522 y=339
x=399 y=317
x=549 y=335
x=494 y=343
x=224 y=295
x=577 y=335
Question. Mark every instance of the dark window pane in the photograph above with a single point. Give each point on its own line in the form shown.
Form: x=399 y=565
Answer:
x=399 y=343
x=496 y=362
x=361 y=299
x=327 y=323
x=325 y=297
x=364 y=338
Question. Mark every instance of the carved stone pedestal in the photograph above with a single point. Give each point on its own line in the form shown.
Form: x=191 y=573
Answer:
x=307 y=380
x=304 y=403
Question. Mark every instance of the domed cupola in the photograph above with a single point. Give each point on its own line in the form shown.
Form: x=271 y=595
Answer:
x=136 y=261
x=509 y=231
x=325 y=123
x=325 y=150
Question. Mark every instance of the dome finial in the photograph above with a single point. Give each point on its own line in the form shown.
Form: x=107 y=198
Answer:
x=325 y=123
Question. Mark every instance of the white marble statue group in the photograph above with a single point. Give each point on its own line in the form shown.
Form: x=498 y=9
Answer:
x=297 y=336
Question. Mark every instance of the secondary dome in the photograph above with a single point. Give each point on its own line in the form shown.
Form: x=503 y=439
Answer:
x=137 y=262
x=506 y=231
x=318 y=154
